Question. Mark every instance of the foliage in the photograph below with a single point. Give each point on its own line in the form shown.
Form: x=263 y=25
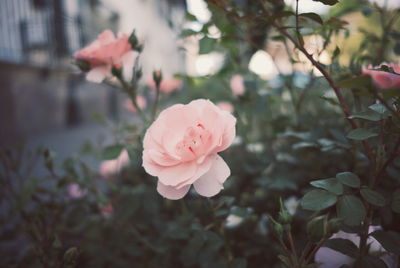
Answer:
x=328 y=136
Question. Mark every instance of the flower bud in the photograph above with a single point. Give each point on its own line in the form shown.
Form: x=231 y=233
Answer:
x=276 y=227
x=83 y=65
x=284 y=216
x=116 y=71
x=139 y=73
x=157 y=77
x=133 y=40
x=334 y=225
x=317 y=228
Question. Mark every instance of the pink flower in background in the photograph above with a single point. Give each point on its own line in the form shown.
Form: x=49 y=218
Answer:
x=110 y=167
x=140 y=100
x=237 y=85
x=383 y=79
x=329 y=258
x=167 y=85
x=75 y=191
x=107 y=210
x=226 y=106
x=181 y=146
x=104 y=53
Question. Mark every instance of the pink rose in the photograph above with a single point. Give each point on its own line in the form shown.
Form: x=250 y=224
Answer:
x=104 y=53
x=329 y=258
x=75 y=191
x=226 y=106
x=140 y=100
x=167 y=85
x=111 y=167
x=383 y=79
x=237 y=85
x=181 y=146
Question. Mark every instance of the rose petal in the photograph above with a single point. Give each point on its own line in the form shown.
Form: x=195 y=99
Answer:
x=98 y=74
x=171 y=192
x=177 y=174
x=211 y=183
x=128 y=62
x=202 y=168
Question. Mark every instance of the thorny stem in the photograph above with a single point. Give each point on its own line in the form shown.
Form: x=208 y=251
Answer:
x=315 y=249
x=132 y=94
x=343 y=105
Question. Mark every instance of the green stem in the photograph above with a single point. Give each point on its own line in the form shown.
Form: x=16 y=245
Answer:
x=153 y=114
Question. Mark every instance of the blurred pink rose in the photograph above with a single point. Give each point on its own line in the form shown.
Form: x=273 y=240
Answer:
x=181 y=146
x=107 y=210
x=104 y=53
x=226 y=106
x=330 y=258
x=75 y=191
x=237 y=85
x=140 y=100
x=383 y=79
x=111 y=167
x=167 y=85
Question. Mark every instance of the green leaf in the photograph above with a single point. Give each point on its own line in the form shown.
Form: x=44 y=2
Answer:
x=190 y=17
x=360 y=134
x=351 y=210
x=389 y=240
x=367 y=115
x=327 y=2
x=188 y=32
x=378 y=107
x=336 y=52
x=356 y=82
x=206 y=45
x=370 y=262
x=318 y=200
x=343 y=246
x=373 y=197
x=349 y=179
x=332 y=185
x=396 y=201
x=112 y=152
x=238 y=263
x=312 y=16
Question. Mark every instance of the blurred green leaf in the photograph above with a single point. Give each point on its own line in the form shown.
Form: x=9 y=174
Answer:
x=367 y=115
x=238 y=263
x=332 y=185
x=327 y=2
x=360 y=134
x=343 y=246
x=351 y=210
x=318 y=200
x=370 y=262
x=389 y=240
x=373 y=197
x=396 y=201
x=349 y=179
x=112 y=152
x=312 y=16
x=378 y=107
x=356 y=82
x=207 y=45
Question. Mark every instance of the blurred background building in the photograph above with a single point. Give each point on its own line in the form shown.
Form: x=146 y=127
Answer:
x=40 y=90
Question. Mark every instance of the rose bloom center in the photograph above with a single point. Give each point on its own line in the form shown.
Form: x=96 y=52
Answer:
x=193 y=143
